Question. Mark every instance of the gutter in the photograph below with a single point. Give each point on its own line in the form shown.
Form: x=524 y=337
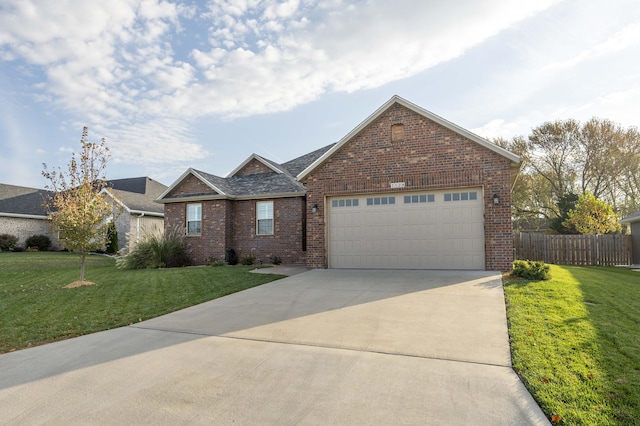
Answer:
x=231 y=197
x=24 y=216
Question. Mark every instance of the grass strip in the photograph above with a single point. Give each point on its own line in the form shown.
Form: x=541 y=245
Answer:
x=575 y=341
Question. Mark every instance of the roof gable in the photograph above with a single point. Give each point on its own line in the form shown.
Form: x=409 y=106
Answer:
x=211 y=182
x=421 y=111
x=255 y=164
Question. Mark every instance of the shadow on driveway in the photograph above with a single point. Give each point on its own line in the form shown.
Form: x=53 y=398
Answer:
x=322 y=347
x=418 y=313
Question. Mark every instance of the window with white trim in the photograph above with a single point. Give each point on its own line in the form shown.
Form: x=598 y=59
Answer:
x=264 y=218
x=194 y=219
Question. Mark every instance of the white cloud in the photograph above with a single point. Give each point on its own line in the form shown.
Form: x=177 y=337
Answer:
x=618 y=41
x=129 y=67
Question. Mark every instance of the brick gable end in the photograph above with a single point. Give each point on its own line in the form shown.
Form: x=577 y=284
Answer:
x=429 y=156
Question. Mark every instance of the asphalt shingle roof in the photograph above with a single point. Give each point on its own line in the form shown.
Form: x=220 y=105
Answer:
x=259 y=184
x=138 y=194
x=135 y=193
x=22 y=200
x=297 y=165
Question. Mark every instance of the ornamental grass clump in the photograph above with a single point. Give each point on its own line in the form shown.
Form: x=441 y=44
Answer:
x=157 y=251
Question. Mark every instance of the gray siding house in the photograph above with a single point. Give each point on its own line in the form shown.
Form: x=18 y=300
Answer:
x=634 y=222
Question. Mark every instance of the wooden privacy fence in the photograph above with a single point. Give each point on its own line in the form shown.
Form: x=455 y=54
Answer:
x=604 y=250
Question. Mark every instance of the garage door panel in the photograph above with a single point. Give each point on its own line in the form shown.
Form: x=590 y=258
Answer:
x=421 y=234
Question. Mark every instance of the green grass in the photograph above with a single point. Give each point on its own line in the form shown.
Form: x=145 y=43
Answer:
x=35 y=308
x=575 y=341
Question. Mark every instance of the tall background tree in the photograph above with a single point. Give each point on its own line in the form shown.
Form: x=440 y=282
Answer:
x=77 y=210
x=565 y=159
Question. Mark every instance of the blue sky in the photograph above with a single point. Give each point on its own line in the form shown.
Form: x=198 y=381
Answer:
x=177 y=84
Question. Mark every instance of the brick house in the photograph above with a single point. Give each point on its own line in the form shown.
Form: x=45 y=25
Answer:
x=404 y=189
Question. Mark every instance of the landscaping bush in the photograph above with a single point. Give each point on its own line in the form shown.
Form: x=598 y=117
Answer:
x=7 y=242
x=275 y=260
x=112 y=239
x=535 y=271
x=216 y=262
x=39 y=242
x=157 y=251
x=248 y=259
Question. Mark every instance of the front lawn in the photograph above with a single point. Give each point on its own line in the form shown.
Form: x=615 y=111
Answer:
x=35 y=308
x=575 y=341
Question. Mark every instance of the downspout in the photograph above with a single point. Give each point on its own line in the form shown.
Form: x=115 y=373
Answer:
x=138 y=227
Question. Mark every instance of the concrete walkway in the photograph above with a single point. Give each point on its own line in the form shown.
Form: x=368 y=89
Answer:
x=321 y=347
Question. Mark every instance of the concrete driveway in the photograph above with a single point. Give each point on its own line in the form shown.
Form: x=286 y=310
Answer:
x=322 y=347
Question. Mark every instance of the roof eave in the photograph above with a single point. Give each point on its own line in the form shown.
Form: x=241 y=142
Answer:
x=24 y=216
x=189 y=198
x=146 y=213
x=630 y=219
x=233 y=197
x=275 y=195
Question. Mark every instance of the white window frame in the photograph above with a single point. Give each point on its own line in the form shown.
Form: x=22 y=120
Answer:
x=264 y=215
x=197 y=217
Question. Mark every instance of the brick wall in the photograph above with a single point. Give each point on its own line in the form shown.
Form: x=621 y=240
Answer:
x=232 y=224
x=214 y=239
x=192 y=185
x=428 y=156
x=254 y=167
x=287 y=239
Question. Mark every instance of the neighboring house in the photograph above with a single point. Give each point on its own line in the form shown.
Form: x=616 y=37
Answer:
x=22 y=213
x=634 y=223
x=139 y=213
x=404 y=189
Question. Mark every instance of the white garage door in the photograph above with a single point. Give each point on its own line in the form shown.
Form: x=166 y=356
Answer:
x=421 y=230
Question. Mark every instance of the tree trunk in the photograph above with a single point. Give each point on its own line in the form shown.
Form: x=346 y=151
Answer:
x=83 y=257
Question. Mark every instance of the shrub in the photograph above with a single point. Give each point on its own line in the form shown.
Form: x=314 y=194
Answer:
x=216 y=262
x=529 y=270
x=157 y=251
x=39 y=242
x=8 y=242
x=275 y=260
x=112 y=239
x=248 y=259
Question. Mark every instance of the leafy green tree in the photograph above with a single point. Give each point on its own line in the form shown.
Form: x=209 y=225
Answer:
x=565 y=204
x=77 y=210
x=565 y=157
x=592 y=216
